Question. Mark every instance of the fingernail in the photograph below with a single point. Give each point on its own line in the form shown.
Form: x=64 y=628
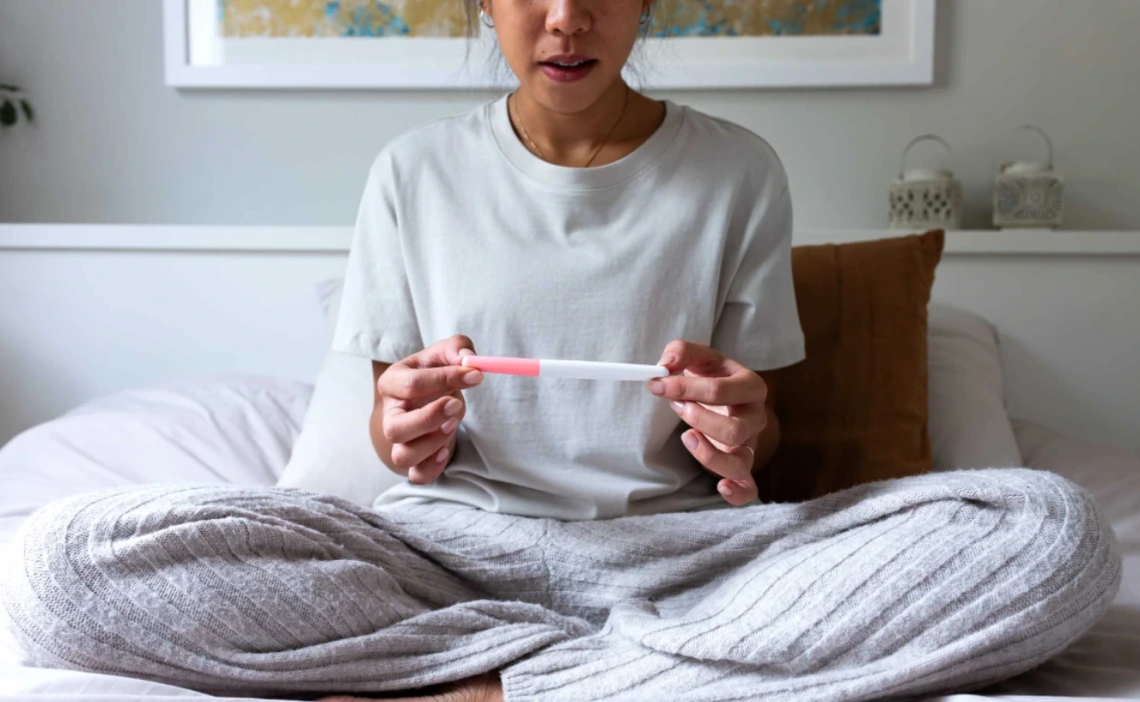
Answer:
x=725 y=490
x=449 y=426
x=452 y=407
x=689 y=440
x=667 y=360
x=656 y=387
x=441 y=456
x=473 y=377
x=677 y=407
x=466 y=352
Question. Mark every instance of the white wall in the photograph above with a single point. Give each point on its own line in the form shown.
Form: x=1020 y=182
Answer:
x=114 y=144
x=88 y=310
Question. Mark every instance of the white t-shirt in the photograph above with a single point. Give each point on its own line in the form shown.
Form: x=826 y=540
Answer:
x=463 y=231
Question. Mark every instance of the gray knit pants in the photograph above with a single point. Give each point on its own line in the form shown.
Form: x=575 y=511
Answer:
x=937 y=583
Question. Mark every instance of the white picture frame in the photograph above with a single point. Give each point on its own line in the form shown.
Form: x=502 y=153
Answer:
x=902 y=55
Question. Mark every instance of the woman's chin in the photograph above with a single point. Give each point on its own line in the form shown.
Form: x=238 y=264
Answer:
x=568 y=98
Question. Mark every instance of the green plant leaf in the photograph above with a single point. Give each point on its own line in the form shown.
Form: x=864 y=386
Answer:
x=27 y=110
x=10 y=88
x=7 y=114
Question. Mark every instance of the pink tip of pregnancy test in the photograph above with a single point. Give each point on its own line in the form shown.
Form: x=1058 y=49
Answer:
x=509 y=366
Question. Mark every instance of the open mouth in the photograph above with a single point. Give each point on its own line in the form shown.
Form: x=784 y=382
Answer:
x=568 y=70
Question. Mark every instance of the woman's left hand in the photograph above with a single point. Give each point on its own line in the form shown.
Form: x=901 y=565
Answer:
x=724 y=403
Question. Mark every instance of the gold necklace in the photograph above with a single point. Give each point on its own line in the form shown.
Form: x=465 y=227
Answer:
x=538 y=152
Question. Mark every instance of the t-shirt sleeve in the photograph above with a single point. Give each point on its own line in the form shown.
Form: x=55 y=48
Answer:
x=759 y=325
x=377 y=314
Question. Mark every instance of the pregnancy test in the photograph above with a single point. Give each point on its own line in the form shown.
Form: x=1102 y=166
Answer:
x=579 y=370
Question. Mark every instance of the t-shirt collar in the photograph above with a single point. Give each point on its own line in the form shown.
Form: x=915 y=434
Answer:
x=570 y=178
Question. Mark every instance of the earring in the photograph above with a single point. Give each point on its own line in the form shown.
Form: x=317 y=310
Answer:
x=486 y=19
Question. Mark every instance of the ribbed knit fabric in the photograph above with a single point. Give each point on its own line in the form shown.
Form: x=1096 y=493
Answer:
x=930 y=584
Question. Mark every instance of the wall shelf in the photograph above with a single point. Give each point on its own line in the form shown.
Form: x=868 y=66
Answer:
x=336 y=240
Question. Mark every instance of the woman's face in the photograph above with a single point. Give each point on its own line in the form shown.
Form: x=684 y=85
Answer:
x=566 y=53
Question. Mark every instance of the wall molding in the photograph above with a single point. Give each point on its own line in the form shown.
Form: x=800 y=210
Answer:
x=336 y=240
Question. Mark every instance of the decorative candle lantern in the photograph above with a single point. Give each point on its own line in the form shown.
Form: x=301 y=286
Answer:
x=1029 y=193
x=925 y=198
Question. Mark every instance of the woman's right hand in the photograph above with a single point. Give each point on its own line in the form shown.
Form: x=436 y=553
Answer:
x=421 y=405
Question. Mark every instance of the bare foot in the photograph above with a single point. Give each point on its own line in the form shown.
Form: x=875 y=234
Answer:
x=484 y=688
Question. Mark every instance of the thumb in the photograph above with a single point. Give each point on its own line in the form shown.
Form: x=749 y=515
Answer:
x=456 y=347
x=696 y=358
x=448 y=352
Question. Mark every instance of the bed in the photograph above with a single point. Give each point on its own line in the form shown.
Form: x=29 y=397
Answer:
x=241 y=427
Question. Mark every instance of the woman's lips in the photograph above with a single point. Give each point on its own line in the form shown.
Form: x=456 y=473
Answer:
x=568 y=71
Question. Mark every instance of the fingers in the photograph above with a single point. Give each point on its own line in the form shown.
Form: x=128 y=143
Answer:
x=723 y=425
x=740 y=388
x=408 y=383
x=403 y=424
x=417 y=421
x=738 y=493
x=424 y=458
x=432 y=372
x=700 y=373
x=422 y=438
x=430 y=470
x=449 y=352
x=682 y=355
x=735 y=467
x=734 y=464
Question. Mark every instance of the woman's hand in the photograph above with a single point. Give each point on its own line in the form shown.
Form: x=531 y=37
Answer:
x=420 y=405
x=725 y=404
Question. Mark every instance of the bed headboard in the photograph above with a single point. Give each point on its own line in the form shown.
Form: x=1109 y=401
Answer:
x=86 y=310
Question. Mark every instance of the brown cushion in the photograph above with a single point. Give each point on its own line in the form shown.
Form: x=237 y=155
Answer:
x=854 y=410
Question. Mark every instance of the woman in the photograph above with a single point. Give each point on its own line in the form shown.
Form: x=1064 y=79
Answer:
x=570 y=540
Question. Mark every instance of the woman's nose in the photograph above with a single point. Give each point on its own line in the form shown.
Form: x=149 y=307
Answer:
x=568 y=17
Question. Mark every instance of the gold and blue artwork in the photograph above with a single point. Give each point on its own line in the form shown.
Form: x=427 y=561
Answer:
x=446 y=18
x=342 y=18
x=757 y=18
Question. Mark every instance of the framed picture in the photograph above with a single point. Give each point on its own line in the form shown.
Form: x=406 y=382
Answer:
x=422 y=44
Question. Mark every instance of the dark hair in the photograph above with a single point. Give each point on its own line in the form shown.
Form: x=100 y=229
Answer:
x=471 y=8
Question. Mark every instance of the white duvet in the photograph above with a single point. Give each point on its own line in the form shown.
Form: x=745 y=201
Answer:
x=240 y=429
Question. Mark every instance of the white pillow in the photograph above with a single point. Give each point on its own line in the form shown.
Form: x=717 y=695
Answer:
x=234 y=429
x=334 y=453
x=968 y=423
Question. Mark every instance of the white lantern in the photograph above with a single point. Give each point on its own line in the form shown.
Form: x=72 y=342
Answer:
x=1029 y=193
x=925 y=198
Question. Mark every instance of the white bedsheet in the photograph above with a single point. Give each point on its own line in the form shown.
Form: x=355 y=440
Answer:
x=240 y=430
x=1106 y=661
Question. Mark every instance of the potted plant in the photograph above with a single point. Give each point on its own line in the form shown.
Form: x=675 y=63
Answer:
x=13 y=106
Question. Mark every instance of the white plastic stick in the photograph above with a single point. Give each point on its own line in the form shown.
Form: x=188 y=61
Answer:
x=581 y=370
x=593 y=370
